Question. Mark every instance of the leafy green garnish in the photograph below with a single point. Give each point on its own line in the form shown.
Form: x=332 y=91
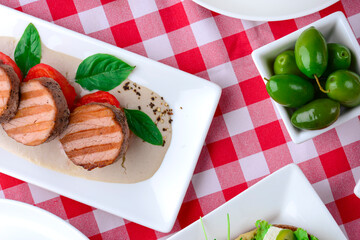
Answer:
x=262 y=228
x=143 y=127
x=228 y=228
x=102 y=72
x=28 y=50
x=301 y=234
x=202 y=224
x=228 y=225
x=313 y=237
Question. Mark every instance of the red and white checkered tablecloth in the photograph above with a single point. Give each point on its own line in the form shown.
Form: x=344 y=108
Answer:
x=247 y=139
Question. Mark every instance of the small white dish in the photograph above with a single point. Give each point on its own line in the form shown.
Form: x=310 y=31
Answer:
x=273 y=10
x=336 y=29
x=155 y=202
x=23 y=221
x=284 y=197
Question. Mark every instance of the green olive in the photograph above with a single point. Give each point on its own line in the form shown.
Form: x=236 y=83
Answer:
x=339 y=58
x=286 y=234
x=317 y=114
x=290 y=90
x=311 y=53
x=285 y=64
x=344 y=87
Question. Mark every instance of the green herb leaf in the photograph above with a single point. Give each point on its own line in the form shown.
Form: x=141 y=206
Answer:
x=202 y=224
x=262 y=228
x=143 y=127
x=228 y=227
x=301 y=234
x=313 y=237
x=28 y=50
x=102 y=72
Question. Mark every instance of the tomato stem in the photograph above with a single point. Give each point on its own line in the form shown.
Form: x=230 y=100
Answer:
x=320 y=87
x=266 y=79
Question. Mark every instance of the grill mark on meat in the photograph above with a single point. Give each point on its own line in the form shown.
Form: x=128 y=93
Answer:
x=31 y=128
x=33 y=94
x=30 y=86
x=34 y=110
x=90 y=133
x=100 y=113
x=42 y=114
x=94 y=149
x=33 y=139
x=18 y=122
x=9 y=92
x=91 y=141
x=88 y=159
x=92 y=123
x=91 y=166
x=4 y=93
x=97 y=135
x=41 y=100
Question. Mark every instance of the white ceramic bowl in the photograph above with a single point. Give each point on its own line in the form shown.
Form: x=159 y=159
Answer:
x=335 y=29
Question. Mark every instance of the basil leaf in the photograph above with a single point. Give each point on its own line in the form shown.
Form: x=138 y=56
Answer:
x=28 y=50
x=102 y=72
x=143 y=127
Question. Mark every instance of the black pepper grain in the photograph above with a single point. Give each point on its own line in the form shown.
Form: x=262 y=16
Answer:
x=126 y=86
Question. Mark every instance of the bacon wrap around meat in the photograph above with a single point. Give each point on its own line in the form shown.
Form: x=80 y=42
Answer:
x=42 y=114
x=97 y=135
x=9 y=92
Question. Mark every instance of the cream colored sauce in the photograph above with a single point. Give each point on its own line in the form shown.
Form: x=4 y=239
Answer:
x=142 y=159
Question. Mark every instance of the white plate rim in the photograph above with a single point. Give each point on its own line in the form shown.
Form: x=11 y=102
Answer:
x=42 y=215
x=291 y=170
x=164 y=219
x=250 y=17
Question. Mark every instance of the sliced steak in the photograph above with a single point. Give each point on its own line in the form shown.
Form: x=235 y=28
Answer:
x=42 y=114
x=97 y=135
x=9 y=93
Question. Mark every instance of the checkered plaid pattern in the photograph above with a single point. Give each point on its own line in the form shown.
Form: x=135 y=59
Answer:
x=247 y=139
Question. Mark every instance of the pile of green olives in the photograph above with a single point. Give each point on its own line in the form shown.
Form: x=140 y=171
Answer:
x=314 y=80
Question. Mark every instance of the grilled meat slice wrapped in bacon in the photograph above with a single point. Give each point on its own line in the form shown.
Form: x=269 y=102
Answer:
x=42 y=114
x=97 y=135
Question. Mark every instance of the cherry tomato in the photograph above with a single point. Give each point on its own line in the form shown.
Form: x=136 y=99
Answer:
x=5 y=59
x=43 y=70
x=100 y=97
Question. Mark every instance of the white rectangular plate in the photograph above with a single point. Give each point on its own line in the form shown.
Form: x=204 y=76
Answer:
x=284 y=197
x=155 y=202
